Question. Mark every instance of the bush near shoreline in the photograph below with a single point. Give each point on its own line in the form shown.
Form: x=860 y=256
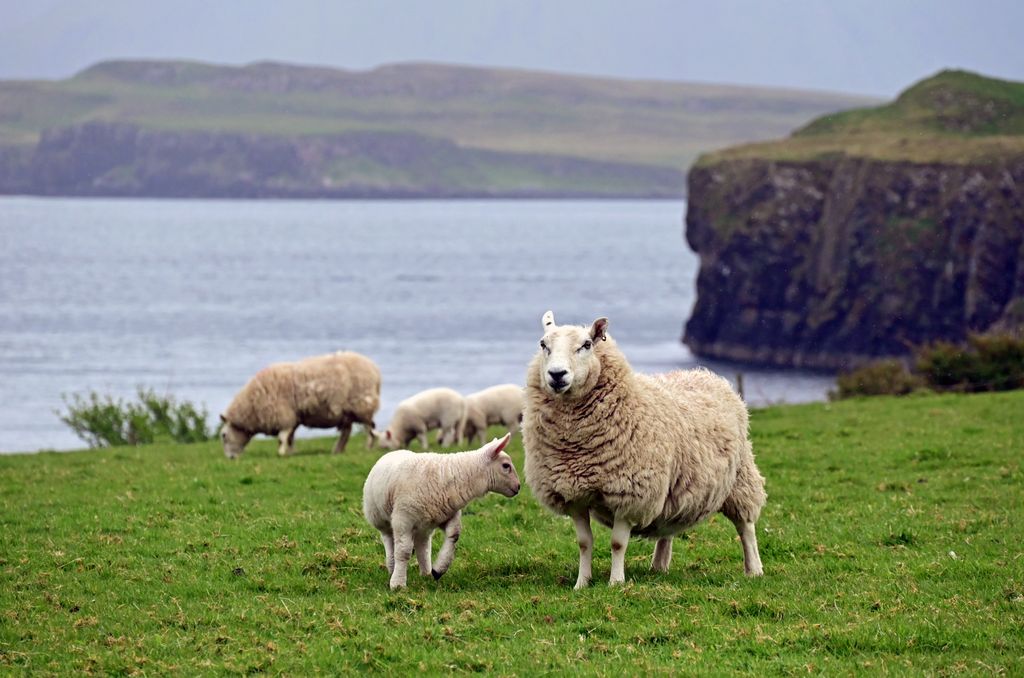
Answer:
x=987 y=362
x=891 y=543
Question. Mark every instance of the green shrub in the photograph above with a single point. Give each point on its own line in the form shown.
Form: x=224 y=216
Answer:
x=102 y=421
x=883 y=377
x=989 y=362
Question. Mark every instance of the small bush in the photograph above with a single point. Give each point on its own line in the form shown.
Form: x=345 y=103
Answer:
x=884 y=377
x=102 y=421
x=992 y=362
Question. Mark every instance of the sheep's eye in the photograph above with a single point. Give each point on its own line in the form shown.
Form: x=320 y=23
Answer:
x=544 y=347
x=586 y=346
x=506 y=466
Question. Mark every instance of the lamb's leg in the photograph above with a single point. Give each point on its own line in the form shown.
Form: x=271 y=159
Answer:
x=585 y=539
x=345 y=430
x=287 y=441
x=620 y=540
x=662 y=555
x=422 y=436
x=389 y=551
x=403 y=551
x=513 y=426
x=422 y=543
x=452 y=530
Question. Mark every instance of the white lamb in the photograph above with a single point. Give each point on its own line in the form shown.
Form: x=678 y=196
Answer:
x=327 y=391
x=415 y=416
x=495 y=405
x=408 y=495
x=646 y=455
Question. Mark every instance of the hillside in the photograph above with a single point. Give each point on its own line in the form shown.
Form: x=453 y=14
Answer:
x=891 y=544
x=952 y=117
x=404 y=129
x=864 y=233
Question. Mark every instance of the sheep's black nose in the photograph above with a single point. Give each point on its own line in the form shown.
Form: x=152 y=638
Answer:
x=557 y=375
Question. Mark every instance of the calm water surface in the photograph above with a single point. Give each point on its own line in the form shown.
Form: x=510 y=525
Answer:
x=193 y=297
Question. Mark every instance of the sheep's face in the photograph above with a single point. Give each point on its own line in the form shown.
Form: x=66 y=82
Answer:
x=501 y=472
x=234 y=440
x=568 y=366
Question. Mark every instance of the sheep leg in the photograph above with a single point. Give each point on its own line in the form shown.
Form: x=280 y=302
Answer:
x=620 y=539
x=662 y=555
x=513 y=426
x=422 y=436
x=344 y=431
x=585 y=539
x=287 y=441
x=403 y=551
x=751 y=557
x=422 y=544
x=389 y=551
x=452 y=530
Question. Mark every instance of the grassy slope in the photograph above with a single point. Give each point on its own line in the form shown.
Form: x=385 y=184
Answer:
x=954 y=116
x=170 y=557
x=665 y=124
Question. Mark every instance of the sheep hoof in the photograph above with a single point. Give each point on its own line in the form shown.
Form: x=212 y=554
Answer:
x=616 y=582
x=581 y=584
x=437 y=575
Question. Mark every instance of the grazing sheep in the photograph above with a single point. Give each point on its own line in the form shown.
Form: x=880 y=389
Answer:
x=646 y=455
x=327 y=391
x=495 y=405
x=408 y=495
x=415 y=416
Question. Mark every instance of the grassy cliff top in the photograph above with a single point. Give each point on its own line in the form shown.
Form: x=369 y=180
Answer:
x=664 y=124
x=954 y=116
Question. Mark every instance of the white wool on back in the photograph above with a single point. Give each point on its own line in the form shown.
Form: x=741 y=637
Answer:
x=497 y=405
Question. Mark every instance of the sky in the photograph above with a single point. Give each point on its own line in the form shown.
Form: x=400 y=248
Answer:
x=875 y=47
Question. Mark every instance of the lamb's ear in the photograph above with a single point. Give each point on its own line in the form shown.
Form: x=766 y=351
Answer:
x=495 y=447
x=599 y=330
x=387 y=434
x=548 y=321
x=223 y=420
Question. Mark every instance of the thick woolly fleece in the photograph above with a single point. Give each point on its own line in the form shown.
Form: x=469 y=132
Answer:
x=407 y=495
x=497 y=405
x=661 y=453
x=327 y=391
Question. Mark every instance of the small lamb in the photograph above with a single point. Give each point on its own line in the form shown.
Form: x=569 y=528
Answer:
x=442 y=408
x=408 y=495
x=501 y=404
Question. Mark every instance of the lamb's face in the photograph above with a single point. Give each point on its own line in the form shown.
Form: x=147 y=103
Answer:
x=568 y=365
x=387 y=440
x=234 y=440
x=501 y=472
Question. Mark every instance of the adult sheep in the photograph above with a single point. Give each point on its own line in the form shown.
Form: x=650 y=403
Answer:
x=441 y=408
x=328 y=391
x=646 y=455
x=501 y=404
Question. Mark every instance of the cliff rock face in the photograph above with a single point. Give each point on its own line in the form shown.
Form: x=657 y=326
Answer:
x=119 y=159
x=828 y=262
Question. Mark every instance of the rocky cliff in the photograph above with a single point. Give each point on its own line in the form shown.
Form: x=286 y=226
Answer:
x=119 y=159
x=830 y=249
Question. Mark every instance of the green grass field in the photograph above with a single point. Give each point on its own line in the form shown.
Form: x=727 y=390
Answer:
x=892 y=543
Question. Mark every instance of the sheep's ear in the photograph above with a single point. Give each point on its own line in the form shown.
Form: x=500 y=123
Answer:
x=548 y=321
x=599 y=330
x=387 y=434
x=223 y=420
x=497 y=445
